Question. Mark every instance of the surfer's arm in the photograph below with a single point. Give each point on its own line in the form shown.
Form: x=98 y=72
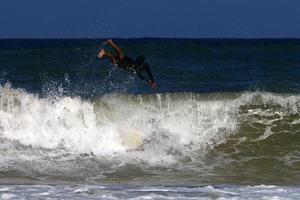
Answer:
x=145 y=68
x=150 y=78
x=141 y=76
x=149 y=74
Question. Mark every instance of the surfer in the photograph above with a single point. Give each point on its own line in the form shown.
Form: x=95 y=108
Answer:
x=138 y=67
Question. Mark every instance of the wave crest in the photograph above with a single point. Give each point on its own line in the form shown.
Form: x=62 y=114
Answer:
x=171 y=127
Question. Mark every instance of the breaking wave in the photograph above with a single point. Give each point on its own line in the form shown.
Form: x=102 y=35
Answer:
x=51 y=136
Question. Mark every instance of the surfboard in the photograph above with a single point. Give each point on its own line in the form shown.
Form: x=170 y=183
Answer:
x=131 y=139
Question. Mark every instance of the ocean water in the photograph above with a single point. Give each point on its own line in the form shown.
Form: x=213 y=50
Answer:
x=224 y=122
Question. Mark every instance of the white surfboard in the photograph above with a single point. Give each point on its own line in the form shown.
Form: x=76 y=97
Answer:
x=131 y=139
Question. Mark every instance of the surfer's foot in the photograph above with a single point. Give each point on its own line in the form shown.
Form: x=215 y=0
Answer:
x=108 y=41
x=101 y=53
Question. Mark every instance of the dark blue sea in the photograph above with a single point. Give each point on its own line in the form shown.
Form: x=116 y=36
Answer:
x=223 y=123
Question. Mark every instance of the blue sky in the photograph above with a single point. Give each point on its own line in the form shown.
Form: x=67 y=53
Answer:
x=145 y=18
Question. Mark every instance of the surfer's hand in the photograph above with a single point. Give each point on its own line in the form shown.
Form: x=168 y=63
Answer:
x=153 y=84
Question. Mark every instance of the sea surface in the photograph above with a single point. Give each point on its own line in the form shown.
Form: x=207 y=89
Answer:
x=224 y=122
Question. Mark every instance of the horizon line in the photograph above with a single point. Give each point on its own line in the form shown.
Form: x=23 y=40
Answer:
x=136 y=38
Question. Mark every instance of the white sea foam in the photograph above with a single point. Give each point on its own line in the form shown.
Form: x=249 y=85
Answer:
x=170 y=127
x=82 y=127
x=7 y=196
x=226 y=192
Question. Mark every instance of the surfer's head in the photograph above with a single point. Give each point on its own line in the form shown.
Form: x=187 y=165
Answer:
x=140 y=60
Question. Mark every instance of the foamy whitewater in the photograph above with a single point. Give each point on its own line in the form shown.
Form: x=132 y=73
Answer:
x=167 y=125
x=69 y=139
x=224 y=122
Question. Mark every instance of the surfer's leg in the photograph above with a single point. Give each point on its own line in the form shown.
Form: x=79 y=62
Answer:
x=102 y=54
x=119 y=51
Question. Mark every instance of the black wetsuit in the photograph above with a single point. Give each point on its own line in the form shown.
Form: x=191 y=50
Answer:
x=126 y=63
x=139 y=69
